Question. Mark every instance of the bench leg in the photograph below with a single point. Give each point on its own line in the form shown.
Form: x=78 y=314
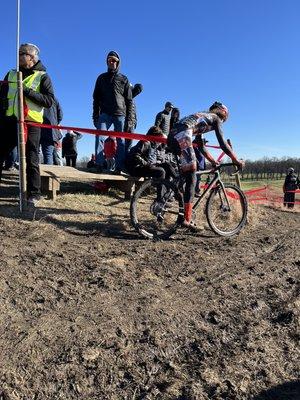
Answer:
x=129 y=190
x=50 y=185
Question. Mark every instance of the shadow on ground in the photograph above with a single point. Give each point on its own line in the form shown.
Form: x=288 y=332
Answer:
x=286 y=391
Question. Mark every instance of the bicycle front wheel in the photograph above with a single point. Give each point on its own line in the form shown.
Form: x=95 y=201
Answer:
x=226 y=210
x=156 y=209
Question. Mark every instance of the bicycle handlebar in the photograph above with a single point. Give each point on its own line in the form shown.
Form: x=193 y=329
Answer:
x=220 y=166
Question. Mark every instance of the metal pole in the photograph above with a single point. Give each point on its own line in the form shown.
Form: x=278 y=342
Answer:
x=21 y=126
x=18 y=35
x=237 y=176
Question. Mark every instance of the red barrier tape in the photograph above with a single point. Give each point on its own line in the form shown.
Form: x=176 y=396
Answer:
x=251 y=191
x=269 y=197
x=97 y=132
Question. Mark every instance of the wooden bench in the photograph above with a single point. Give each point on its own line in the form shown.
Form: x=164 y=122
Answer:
x=52 y=175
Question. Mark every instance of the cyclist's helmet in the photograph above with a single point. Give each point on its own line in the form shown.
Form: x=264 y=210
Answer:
x=220 y=109
x=291 y=170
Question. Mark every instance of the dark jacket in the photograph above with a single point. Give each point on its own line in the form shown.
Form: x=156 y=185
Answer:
x=112 y=94
x=69 y=144
x=291 y=182
x=52 y=116
x=174 y=118
x=162 y=120
x=136 y=90
x=43 y=98
x=141 y=155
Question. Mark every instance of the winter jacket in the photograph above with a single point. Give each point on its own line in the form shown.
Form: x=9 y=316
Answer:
x=174 y=118
x=291 y=182
x=69 y=144
x=162 y=120
x=112 y=94
x=136 y=90
x=52 y=116
x=140 y=155
x=43 y=98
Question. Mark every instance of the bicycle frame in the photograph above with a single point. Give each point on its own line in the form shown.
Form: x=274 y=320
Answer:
x=216 y=179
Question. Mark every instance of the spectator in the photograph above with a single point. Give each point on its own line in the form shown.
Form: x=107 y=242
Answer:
x=92 y=162
x=175 y=117
x=291 y=184
x=11 y=162
x=110 y=151
x=57 y=153
x=51 y=136
x=69 y=147
x=38 y=94
x=141 y=161
x=163 y=118
x=112 y=105
x=136 y=90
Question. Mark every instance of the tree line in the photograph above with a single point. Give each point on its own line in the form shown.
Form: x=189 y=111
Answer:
x=264 y=168
x=270 y=168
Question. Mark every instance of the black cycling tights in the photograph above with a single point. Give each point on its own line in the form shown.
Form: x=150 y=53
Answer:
x=190 y=183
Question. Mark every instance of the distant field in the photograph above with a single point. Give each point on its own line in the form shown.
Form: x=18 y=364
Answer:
x=250 y=184
x=256 y=184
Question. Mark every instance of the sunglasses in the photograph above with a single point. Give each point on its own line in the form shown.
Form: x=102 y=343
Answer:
x=113 y=60
x=24 y=54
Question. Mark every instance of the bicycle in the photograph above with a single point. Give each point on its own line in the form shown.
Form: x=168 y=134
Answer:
x=158 y=217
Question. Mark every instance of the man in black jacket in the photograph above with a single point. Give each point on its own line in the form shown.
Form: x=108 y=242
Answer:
x=136 y=90
x=51 y=137
x=69 y=147
x=38 y=94
x=291 y=184
x=163 y=118
x=112 y=105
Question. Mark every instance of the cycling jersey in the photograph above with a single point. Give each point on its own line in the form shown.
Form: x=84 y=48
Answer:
x=197 y=124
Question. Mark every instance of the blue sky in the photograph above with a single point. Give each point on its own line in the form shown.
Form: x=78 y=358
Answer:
x=245 y=54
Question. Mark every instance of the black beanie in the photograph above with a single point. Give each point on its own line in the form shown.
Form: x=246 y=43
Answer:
x=137 y=89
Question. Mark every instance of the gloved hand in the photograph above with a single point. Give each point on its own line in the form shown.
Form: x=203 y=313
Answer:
x=240 y=164
x=128 y=126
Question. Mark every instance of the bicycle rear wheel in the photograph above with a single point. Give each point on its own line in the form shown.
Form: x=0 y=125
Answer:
x=226 y=214
x=155 y=219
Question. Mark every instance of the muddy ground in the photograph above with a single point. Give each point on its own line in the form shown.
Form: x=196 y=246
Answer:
x=88 y=310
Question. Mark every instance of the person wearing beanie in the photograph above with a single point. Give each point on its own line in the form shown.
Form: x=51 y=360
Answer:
x=38 y=95
x=163 y=118
x=291 y=184
x=69 y=147
x=112 y=105
x=141 y=163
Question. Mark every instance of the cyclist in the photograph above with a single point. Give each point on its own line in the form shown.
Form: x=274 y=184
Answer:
x=180 y=141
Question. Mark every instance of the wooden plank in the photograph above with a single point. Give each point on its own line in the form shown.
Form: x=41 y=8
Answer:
x=73 y=173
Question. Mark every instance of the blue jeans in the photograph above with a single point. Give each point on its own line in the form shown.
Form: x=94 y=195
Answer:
x=47 y=151
x=12 y=158
x=104 y=123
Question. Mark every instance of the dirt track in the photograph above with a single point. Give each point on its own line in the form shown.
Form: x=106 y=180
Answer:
x=90 y=311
